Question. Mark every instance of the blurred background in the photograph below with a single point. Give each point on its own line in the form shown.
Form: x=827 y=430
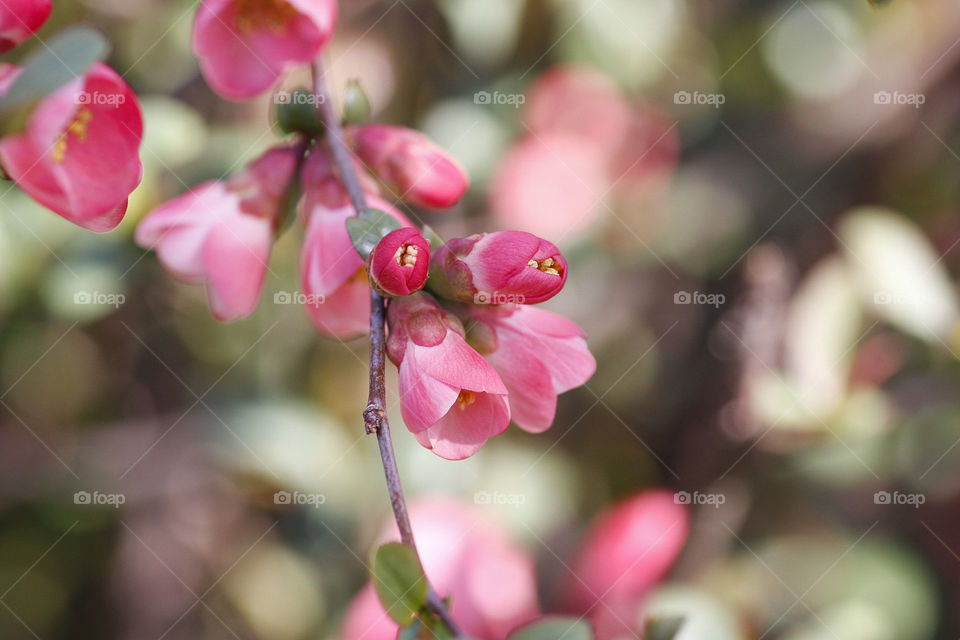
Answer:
x=759 y=204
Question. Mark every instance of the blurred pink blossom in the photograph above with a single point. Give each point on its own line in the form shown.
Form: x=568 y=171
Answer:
x=20 y=19
x=467 y=557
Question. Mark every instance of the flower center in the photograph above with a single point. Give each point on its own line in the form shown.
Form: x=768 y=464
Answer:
x=466 y=398
x=79 y=130
x=406 y=255
x=272 y=14
x=547 y=265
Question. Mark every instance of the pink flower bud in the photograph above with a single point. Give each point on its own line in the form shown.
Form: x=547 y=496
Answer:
x=244 y=45
x=398 y=265
x=419 y=171
x=79 y=154
x=20 y=19
x=498 y=268
x=629 y=548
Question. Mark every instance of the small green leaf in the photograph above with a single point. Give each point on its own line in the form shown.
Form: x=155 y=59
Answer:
x=356 y=106
x=432 y=237
x=664 y=628
x=297 y=112
x=399 y=581
x=66 y=56
x=367 y=229
x=555 y=628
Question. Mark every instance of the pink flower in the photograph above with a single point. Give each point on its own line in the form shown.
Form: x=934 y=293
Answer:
x=627 y=552
x=79 y=153
x=245 y=45
x=499 y=267
x=332 y=272
x=398 y=264
x=20 y=19
x=221 y=233
x=468 y=557
x=416 y=169
x=451 y=399
x=538 y=355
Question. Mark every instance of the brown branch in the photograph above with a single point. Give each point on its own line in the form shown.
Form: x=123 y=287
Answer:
x=374 y=416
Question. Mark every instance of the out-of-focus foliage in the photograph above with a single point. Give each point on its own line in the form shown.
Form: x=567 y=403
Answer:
x=774 y=318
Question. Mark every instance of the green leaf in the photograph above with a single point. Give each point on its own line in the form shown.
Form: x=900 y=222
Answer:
x=66 y=56
x=555 y=628
x=356 y=105
x=432 y=237
x=368 y=228
x=399 y=581
x=297 y=112
x=665 y=628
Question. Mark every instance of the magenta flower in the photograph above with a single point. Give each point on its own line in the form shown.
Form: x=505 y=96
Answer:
x=500 y=267
x=415 y=168
x=538 y=355
x=398 y=264
x=628 y=550
x=468 y=557
x=79 y=155
x=332 y=273
x=221 y=233
x=20 y=19
x=245 y=45
x=451 y=399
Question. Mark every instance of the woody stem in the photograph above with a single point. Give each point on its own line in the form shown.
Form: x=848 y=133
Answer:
x=374 y=416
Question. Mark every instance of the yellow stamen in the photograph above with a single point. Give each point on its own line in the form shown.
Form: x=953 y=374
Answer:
x=78 y=127
x=466 y=398
x=547 y=265
x=406 y=255
x=272 y=14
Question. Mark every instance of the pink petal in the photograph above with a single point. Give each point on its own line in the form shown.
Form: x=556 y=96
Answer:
x=344 y=313
x=462 y=431
x=235 y=259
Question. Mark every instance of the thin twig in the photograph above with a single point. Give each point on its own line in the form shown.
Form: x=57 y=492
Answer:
x=374 y=416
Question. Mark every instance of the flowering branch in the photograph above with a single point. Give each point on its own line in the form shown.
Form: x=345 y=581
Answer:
x=374 y=416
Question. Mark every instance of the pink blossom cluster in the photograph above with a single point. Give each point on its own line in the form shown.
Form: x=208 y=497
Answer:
x=78 y=153
x=491 y=582
x=472 y=354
